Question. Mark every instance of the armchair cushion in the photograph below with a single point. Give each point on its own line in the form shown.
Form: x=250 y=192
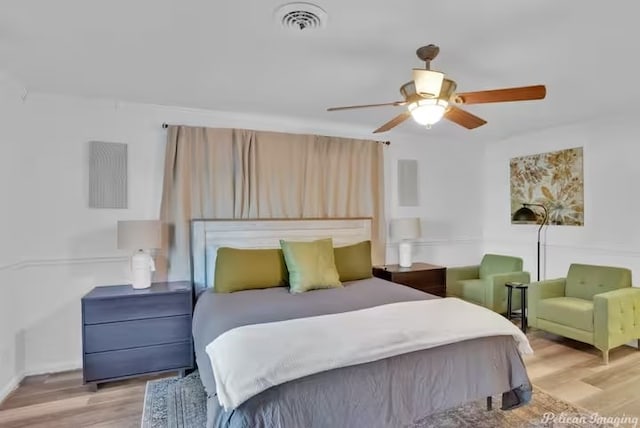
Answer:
x=484 y=284
x=569 y=311
x=457 y=274
x=617 y=317
x=543 y=290
x=585 y=281
x=496 y=263
x=472 y=290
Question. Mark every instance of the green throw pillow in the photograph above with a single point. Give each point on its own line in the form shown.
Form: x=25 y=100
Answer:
x=311 y=265
x=353 y=262
x=246 y=269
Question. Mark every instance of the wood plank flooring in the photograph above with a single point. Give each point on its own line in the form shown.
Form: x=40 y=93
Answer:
x=566 y=369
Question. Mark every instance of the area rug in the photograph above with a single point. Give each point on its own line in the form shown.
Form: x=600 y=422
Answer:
x=181 y=403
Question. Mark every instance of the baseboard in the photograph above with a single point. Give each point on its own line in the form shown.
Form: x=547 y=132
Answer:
x=45 y=369
x=53 y=368
x=10 y=386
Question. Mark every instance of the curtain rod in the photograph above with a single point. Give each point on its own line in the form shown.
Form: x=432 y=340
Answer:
x=386 y=143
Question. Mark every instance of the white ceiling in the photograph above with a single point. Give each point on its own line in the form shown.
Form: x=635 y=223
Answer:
x=231 y=55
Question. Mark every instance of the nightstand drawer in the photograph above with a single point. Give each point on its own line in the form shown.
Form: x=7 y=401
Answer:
x=412 y=279
x=136 y=307
x=383 y=274
x=436 y=290
x=421 y=276
x=116 y=364
x=131 y=334
x=422 y=280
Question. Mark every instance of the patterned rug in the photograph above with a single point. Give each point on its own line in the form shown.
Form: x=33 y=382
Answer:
x=181 y=403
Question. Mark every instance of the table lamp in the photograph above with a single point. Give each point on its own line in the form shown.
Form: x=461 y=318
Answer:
x=405 y=230
x=140 y=236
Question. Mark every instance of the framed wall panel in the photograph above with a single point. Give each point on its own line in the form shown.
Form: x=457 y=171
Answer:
x=408 y=183
x=107 y=175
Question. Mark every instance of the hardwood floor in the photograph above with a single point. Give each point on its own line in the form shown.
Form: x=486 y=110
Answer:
x=566 y=369
x=573 y=371
x=60 y=400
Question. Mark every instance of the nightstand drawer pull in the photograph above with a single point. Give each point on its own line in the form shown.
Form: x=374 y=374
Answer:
x=115 y=364
x=136 y=307
x=132 y=334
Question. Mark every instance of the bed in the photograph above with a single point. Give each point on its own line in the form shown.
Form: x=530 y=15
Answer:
x=393 y=392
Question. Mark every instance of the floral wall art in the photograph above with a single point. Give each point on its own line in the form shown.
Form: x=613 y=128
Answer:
x=554 y=179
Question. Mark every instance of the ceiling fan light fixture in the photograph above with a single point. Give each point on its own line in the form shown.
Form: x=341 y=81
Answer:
x=428 y=111
x=431 y=96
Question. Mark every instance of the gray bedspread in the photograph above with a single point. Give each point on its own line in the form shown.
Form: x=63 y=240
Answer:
x=390 y=393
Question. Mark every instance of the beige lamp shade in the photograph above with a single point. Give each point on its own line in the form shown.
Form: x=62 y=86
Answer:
x=405 y=228
x=139 y=234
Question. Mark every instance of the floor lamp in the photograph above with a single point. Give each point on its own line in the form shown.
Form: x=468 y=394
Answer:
x=526 y=215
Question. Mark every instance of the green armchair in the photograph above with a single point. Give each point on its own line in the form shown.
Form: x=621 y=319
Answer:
x=484 y=284
x=593 y=304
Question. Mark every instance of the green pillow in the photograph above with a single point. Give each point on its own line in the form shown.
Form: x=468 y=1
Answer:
x=311 y=265
x=246 y=269
x=353 y=262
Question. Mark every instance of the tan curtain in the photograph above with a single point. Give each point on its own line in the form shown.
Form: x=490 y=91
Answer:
x=233 y=173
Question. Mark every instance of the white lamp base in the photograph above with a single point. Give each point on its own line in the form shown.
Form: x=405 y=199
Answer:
x=404 y=254
x=141 y=267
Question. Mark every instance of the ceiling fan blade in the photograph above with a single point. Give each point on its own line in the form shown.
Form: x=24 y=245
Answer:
x=524 y=93
x=393 y=122
x=395 y=103
x=463 y=117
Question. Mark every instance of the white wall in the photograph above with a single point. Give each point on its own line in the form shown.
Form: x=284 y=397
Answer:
x=450 y=199
x=611 y=231
x=55 y=249
x=11 y=343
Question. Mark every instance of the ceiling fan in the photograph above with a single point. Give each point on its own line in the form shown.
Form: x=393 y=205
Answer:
x=430 y=96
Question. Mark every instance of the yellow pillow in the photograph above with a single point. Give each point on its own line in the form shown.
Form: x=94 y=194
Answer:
x=311 y=265
x=246 y=269
x=353 y=261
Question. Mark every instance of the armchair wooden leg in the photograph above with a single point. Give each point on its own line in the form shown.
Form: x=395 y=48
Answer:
x=605 y=356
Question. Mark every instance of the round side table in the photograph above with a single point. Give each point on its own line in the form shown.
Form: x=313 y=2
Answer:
x=523 y=303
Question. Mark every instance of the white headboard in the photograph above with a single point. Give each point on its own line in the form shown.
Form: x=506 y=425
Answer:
x=208 y=235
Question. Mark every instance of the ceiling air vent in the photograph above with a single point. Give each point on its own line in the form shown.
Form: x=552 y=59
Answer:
x=301 y=16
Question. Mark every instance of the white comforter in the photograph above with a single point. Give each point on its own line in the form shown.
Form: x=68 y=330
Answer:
x=250 y=359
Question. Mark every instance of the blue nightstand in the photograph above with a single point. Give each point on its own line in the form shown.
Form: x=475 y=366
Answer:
x=128 y=332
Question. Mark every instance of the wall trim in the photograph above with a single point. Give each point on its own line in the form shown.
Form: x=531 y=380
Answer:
x=268 y=122
x=35 y=263
x=440 y=242
x=31 y=263
x=596 y=249
x=10 y=387
x=603 y=249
